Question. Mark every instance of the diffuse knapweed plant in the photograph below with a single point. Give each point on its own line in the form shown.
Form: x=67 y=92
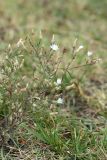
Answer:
x=34 y=76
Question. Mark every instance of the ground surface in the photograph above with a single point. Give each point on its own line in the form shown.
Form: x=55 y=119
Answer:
x=74 y=132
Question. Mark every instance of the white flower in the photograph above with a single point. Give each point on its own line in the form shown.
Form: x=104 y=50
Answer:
x=34 y=104
x=60 y=101
x=54 y=47
x=59 y=81
x=79 y=48
x=89 y=53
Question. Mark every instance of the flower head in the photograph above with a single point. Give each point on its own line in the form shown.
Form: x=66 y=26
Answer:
x=58 y=82
x=89 y=53
x=54 y=47
x=60 y=101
